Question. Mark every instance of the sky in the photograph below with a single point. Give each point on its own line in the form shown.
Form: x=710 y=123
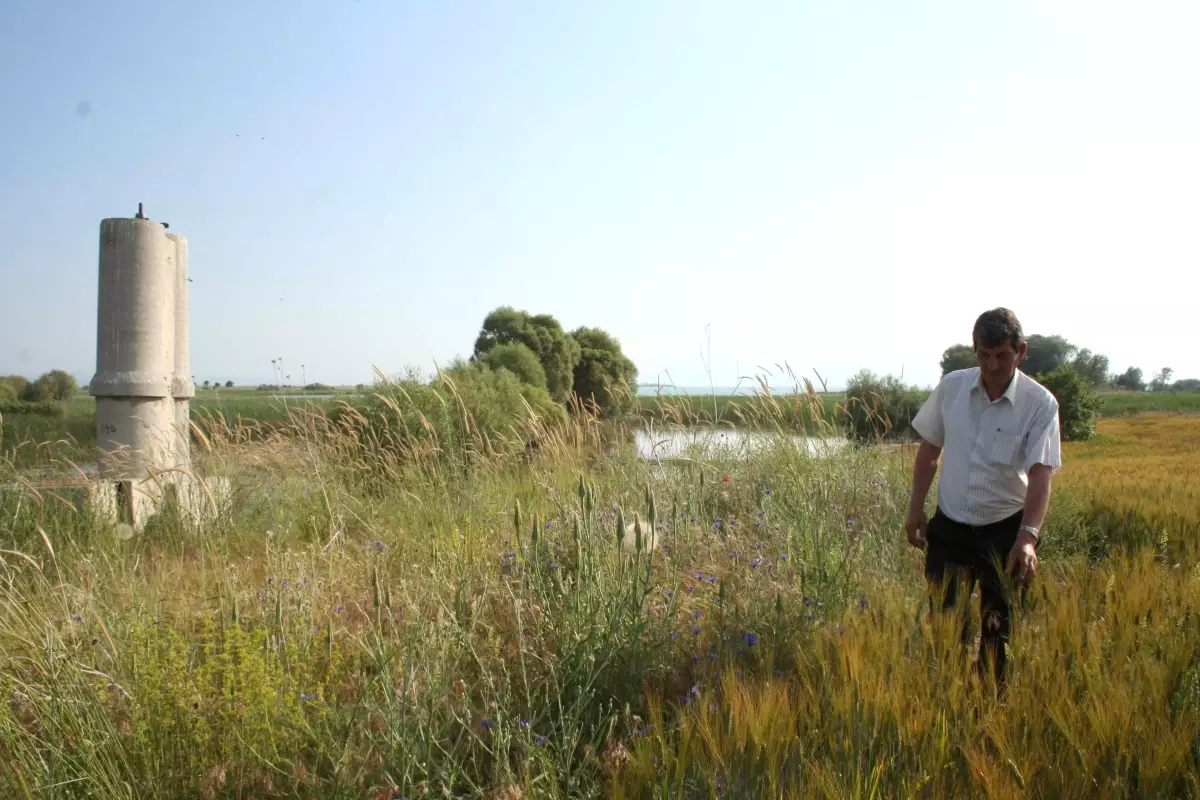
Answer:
x=730 y=189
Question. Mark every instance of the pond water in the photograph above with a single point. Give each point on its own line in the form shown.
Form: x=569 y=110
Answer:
x=674 y=443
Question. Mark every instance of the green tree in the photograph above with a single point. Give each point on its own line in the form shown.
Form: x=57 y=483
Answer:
x=604 y=376
x=1185 y=385
x=7 y=394
x=880 y=407
x=1077 y=403
x=1092 y=366
x=15 y=382
x=1161 y=380
x=55 y=385
x=228 y=384
x=206 y=384
x=556 y=351
x=518 y=359
x=958 y=356
x=1046 y=354
x=1130 y=380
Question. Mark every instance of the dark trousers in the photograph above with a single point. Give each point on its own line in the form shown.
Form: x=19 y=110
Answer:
x=965 y=554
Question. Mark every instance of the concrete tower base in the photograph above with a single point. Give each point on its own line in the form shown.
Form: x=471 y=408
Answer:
x=131 y=503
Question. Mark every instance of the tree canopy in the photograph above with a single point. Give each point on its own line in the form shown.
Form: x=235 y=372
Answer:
x=603 y=376
x=517 y=359
x=1130 y=380
x=557 y=352
x=1045 y=354
x=956 y=357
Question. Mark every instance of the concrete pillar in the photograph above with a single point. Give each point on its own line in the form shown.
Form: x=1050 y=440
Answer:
x=135 y=349
x=183 y=388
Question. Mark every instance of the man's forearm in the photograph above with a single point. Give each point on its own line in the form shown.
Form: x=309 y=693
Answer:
x=923 y=471
x=1037 y=496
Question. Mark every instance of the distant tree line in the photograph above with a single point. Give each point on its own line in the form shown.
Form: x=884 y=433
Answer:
x=1049 y=353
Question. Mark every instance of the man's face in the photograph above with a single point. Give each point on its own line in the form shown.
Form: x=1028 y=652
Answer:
x=999 y=364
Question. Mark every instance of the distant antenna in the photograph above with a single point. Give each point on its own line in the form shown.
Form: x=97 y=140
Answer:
x=140 y=214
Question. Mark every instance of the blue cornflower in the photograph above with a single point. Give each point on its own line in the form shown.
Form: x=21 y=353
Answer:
x=549 y=525
x=752 y=639
x=768 y=492
x=78 y=618
x=755 y=563
x=695 y=630
x=553 y=565
x=761 y=513
x=379 y=546
x=783 y=556
x=308 y=696
x=717 y=523
x=862 y=602
x=541 y=741
x=674 y=635
x=339 y=609
x=696 y=615
x=486 y=724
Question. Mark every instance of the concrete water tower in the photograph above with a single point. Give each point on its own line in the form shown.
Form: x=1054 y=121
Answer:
x=142 y=383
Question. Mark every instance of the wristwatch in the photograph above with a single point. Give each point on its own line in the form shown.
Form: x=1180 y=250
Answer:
x=1032 y=531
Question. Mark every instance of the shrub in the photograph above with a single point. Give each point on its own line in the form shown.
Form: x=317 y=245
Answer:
x=517 y=359
x=604 y=377
x=15 y=384
x=1077 y=404
x=880 y=407
x=42 y=408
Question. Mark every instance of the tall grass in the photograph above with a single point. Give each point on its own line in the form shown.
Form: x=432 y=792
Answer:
x=381 y=613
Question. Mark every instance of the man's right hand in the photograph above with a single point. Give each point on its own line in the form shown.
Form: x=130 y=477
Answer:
x=915 y=526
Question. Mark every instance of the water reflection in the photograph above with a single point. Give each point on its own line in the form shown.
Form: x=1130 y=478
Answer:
x=673 y=443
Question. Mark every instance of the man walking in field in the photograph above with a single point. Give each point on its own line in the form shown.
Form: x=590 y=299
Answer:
x=996 y=431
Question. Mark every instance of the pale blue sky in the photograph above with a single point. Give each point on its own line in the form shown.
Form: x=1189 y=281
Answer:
x=835 y=185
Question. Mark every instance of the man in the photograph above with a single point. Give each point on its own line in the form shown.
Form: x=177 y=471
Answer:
x=996 y=431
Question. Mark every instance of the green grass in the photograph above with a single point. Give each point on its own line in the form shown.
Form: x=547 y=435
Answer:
x=351 y=625
x=1120 y=403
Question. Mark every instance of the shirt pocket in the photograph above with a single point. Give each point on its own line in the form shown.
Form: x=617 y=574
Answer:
x=1005 y=448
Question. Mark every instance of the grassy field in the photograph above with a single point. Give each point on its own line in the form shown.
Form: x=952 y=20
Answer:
x=351 y=625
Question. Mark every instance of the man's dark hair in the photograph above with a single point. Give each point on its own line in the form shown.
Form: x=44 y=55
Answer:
x=997 y=327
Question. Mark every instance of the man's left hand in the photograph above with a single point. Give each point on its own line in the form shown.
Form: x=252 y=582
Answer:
x=1023 y=559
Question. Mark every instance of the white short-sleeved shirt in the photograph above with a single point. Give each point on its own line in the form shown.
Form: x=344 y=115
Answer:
x=988 y=446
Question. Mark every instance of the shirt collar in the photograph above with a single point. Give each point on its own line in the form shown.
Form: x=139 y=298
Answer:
x=1010 y=393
